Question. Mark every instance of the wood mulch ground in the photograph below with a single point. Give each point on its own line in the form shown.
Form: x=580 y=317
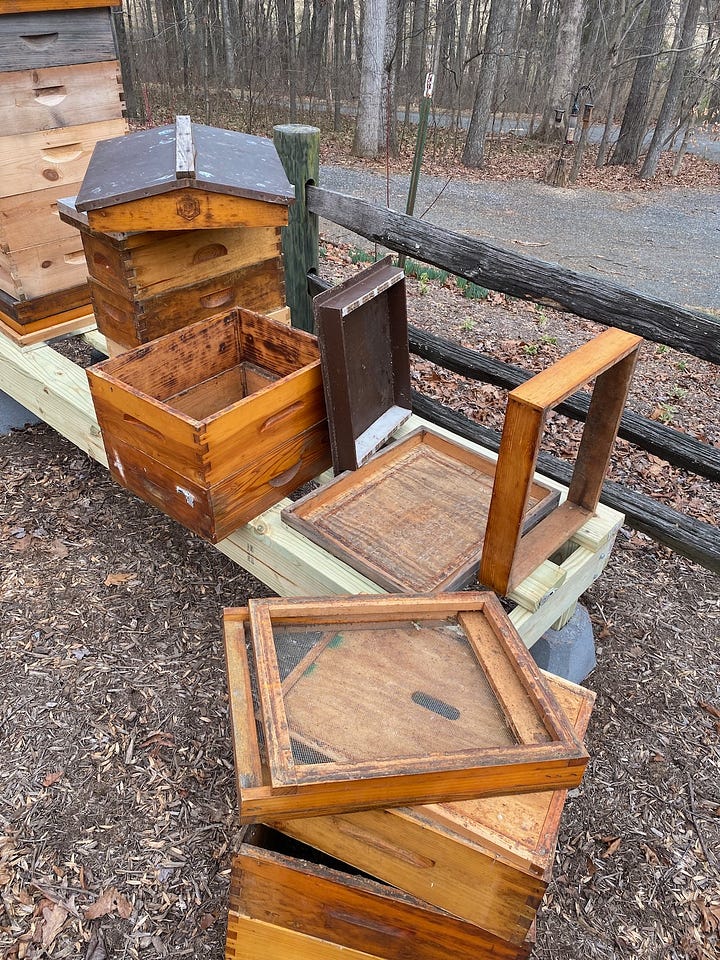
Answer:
x=117 y=796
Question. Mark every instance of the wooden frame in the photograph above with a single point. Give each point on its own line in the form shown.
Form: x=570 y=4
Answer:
x=361 y=517
x=362 y=332
x=509 y=554
x=540 y=750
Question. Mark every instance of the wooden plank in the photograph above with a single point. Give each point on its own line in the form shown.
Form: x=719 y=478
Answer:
x=677 y=448
x=184 y=148
x=525 y=277
x=187 y=209
x=34 y=161
x=82 y=324
x=352 y=911
x=46 y=98
x=558 y=381
x=249 y=939
x=242 y=712
x=54 y=37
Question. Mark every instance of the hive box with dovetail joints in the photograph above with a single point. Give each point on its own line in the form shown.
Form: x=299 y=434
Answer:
x=150 y=283
x=487 y=861
x=374 y=701
x=217 y=422
x=288 y=901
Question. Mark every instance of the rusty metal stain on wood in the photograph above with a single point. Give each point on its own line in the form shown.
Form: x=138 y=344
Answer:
x=142 y=164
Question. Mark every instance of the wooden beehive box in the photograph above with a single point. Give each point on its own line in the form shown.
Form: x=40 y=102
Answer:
x=288 y=901
x=215 y=423
x=488 y=861
x=147 y=284
x=34 y=35
x=61 y=93
x=377 y=701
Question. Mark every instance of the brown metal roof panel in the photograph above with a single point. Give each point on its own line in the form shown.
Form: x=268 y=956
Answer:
x=143 y=164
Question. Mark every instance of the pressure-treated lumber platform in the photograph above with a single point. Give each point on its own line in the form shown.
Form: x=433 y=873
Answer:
x=57 y=391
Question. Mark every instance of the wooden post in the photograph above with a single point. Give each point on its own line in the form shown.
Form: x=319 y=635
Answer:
x=299 y=150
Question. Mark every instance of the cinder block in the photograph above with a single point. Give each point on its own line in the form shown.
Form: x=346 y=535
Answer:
x=13 y=416
x=570 y=652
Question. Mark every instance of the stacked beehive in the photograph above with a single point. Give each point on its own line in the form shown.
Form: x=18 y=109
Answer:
x=325 y=879
x=178 y=224
x=60 y=94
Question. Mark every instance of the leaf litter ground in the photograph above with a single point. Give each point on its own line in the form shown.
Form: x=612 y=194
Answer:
x=117 y=796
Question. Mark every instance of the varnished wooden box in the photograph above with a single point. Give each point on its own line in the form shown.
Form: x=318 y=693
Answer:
x=53 y=38
x=48 y=158
x=488 y=861
x=40 y=270
x=147 y=284
x=288 y=901
x=215 y=423
x=68 y=96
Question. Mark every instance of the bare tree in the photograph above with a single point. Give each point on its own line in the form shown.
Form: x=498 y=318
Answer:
x=474 y=152
x=367 y=132
x=567 y=53
x=672 y=93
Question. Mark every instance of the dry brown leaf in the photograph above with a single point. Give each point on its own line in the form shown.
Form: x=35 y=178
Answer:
x=110 y=901
x=612 y=847
x=58 y=549
x=53 y=778
x=116 y=579
x=206 y=921
x=53 y=920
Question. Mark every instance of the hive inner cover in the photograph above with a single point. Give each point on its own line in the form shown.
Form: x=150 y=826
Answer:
x=382 y=691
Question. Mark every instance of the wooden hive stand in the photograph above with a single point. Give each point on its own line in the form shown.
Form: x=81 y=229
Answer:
x=58 y=100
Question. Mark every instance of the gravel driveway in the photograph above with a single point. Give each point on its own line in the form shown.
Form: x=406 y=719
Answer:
x=665 y=243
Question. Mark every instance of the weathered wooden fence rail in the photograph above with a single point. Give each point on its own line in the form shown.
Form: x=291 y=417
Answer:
x=524 y=277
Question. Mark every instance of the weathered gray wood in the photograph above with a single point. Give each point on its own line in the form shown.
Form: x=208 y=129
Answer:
x=55 y=38
x=689 y=537
x=524 y=277
x=184 y=148
x=299 y=149
x=671 y=445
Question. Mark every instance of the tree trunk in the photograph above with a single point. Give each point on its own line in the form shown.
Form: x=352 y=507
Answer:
x=672 y=94
x=474 y=152
x=567 y=53
x=389 y=58
x=634 y=122
x=367 y=130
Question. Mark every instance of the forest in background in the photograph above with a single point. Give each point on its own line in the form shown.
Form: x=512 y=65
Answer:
x=651 y=66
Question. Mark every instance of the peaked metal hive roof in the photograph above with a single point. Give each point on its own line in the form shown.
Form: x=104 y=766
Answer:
x=142 y=165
